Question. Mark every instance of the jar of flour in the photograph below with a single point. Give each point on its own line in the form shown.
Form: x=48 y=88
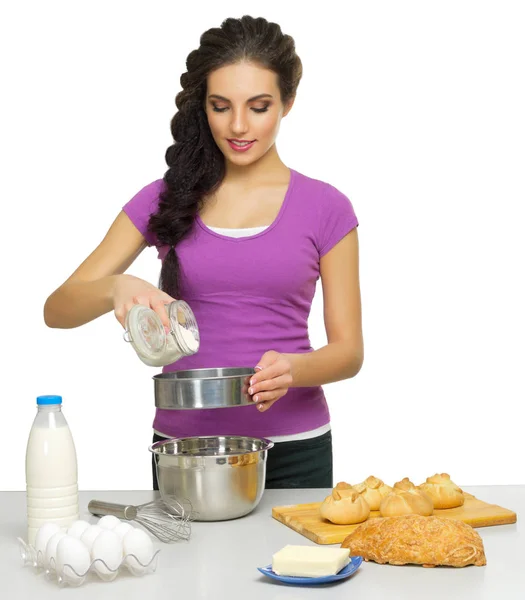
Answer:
x=156 y=347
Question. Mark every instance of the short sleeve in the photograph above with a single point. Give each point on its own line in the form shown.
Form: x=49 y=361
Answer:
x=143 y=204
x=336 y=219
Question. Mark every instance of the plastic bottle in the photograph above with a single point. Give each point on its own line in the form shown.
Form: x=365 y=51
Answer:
x=51 y=469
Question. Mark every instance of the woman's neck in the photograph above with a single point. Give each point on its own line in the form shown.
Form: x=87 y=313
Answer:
x=268 y=167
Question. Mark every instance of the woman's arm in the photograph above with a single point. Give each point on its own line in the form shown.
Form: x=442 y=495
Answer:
x=98 y=285
x=343 y=356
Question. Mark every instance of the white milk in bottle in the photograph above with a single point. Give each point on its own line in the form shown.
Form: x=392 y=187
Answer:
x=51 y=469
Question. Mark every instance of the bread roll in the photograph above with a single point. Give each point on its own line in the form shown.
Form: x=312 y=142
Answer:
x=409 y=501
x=427 y=541
x=344 y=488
x=444 y=492
x=342 y=485
x=344 y=507
x=404 y=484
x=373 y=489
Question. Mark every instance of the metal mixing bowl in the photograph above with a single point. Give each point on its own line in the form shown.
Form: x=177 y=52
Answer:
x=223 y=477
x=203 y=388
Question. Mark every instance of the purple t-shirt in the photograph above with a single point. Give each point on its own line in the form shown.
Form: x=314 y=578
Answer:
x=250 y=295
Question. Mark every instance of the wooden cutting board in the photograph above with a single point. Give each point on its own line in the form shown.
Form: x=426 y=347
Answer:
x=305 y=518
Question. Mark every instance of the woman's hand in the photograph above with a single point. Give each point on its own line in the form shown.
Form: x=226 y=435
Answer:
x=130 y=290
x=272 y=380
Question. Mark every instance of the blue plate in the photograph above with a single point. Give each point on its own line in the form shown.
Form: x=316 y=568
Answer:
x=350 y=569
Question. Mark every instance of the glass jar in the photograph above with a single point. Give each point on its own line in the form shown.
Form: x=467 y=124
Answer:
x=156 y=348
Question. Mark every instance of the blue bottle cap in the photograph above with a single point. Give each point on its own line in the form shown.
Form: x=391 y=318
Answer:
x=42 y=400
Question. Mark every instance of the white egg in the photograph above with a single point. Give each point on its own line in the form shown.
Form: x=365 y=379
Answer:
x=107 y=547
x=50 y=557
x=122 y=529
x=77 y=529
x=90 y=535
x=73 y=560
x=41 y=539
x=108 y=522
x=138 y=543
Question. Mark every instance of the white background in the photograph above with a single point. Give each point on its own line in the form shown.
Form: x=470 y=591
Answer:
x=413 y=109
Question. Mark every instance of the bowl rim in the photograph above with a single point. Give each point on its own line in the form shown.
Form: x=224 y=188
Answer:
x=268 y=444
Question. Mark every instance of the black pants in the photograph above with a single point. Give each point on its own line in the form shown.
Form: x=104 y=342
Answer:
x=295 y=464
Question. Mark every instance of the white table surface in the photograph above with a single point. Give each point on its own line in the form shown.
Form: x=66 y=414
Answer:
x=220 y=559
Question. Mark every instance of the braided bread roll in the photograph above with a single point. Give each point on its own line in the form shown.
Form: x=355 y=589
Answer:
x=373 y=490
x=406 y=499
x=444 y=492
x=344 y=507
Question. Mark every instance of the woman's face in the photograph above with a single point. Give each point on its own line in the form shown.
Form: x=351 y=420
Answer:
x=244 y=109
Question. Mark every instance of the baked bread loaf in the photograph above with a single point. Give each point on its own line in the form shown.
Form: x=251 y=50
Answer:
x=444 y=492
x=413 y=539
x=373 y=489
x=344 y=507
x=406 y=499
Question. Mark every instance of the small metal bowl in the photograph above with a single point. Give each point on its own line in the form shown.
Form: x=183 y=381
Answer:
x=223 y=477
x=203 y=388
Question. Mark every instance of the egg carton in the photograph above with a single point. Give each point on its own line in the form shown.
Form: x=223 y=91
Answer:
x=67 y=575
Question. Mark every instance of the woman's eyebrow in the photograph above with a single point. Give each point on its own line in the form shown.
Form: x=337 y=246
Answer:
x=253 y=98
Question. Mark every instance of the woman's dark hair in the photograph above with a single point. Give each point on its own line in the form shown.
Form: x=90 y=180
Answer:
x=195 y=163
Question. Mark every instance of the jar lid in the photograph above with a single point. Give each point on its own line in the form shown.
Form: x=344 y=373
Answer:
x=145 y=332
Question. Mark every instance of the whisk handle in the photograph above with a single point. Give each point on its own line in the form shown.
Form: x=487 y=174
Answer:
x=122 y=511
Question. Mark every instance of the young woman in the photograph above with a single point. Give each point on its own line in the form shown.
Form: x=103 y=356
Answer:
x=243 y=239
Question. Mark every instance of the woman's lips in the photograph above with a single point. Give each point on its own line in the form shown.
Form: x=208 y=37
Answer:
x=239 y=146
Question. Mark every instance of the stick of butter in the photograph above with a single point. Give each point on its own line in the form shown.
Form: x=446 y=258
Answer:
x=309 y=561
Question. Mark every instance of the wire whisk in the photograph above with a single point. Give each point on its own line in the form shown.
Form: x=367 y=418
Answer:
x=166 y=518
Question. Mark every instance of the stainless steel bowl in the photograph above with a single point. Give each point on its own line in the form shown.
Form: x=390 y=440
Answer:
x=223 y=477
x=203 y=388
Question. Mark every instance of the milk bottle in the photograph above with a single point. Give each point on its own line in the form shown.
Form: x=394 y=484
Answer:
x=51 y=469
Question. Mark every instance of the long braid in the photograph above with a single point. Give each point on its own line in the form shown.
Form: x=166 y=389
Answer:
x=196 y=165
